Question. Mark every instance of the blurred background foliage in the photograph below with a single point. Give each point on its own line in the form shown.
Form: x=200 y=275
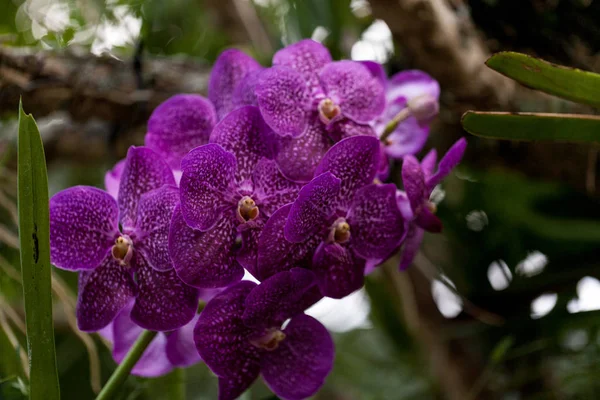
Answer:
x=503 y=305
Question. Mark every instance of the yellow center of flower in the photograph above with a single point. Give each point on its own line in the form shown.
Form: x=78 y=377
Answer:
x=122 y=250
x=340 y=231
x=431 y=207
x=247 y=209
x=270 y=341
x=328 y=110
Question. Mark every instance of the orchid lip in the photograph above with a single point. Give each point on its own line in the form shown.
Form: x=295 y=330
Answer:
x=247 y=210
x=122 y=250
x=270 y=340
x=340 y=231
x=328 y=110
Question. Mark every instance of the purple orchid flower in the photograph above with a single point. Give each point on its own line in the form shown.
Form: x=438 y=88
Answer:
x=241 y=334
x=339 y=220
x=179 y=124
x=229 y=188
x=111 y=241
x=304 y=83
x=232 y=81
x=419 y=181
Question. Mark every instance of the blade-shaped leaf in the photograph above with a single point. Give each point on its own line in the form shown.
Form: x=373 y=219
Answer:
x=34 y=238
x=568 y=83
x=533 y=126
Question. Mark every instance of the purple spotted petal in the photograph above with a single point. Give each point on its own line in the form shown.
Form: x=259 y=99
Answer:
x=450 y=160
x=298 y=157
x=271 y=188
x=163 y=301
x=112 y=179
x=339 y=271
x=298 y=367
x=360 y=95
x=414 y=182
x=428 y=221
x=230 y=69
x=355 y=161
x=344 y=128
x=316 y=203
x=414 y=237
x=83 y=227
x=245 y=134
x=154 y=361
x=428 y=163
x=275 y=253
x=247 y=255
x=410 y=84
x=152 y=226
x=181 y=350
x=208 y=172
x=102 y=293
x=204 y=259
x=222 y=340
x=284 y=100
x=377 y=226
x=179 y=124
x=244 y=94
x=282 y=296
x=408 y=138
x=306 y=57
x=144 y=171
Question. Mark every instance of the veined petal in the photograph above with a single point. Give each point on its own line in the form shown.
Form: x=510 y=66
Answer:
x=112 y=179
x=247 y=255
x=316 y=203
x=284 y=100
x=414 y=183
x=414 y=237
x=339 y=271
x=360 y=95
x=152 y=226
x=208 y=172
x=271 y=188
x=178 y=125
x=450 y=160
x=229 y=71
x=204 y=259
x=102 y=294
x=345 y=128
x=245 y=92
x=83 y=227
x=377 y=227
x=163 y=301
x=144 y=171
x=244 y=133
x=181 y=350
x=298 y=367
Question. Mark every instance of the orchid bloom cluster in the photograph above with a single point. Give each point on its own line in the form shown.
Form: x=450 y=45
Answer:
x=278 y=173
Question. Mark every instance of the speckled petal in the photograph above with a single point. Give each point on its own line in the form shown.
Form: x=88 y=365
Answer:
x=282 y=296
x=222 y=340
x=163 y=301
x=178 y=125
x=414 y=237
x=316 y=203
x=152 y=226
x=275 y=253
x=271 y=189
x=450 y=160
x=245 y=92
x=339 y=271
x=229 y=71
x=112 y=179
x=298 y=367
x=284 y=100
x=410 y=84
x=247 y=254
x=376 y=70
x=298 y=157
x=360 y=95
x=355 y=161
x=414 y=183
x=181 y=350
x=307 y=57
x=204 y=259
x=144 y=171
x=245 y=134
x=428 y=163
x=83 y=227
x=208 y=172
x=102 y=294
x=377 y=227
x=345 y=128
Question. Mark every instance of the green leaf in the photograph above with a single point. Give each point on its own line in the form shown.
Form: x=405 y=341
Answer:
x=34 y=238
x=568 y=83
x=500 y=350
x=170 y=386
x=533 y=126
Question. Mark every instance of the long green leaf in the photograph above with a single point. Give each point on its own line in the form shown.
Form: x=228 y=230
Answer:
x=568 y=83
x=533 y=126
x=34 y=238
x=170 y=386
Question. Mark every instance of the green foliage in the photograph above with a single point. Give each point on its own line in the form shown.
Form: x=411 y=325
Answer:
x=34 y=238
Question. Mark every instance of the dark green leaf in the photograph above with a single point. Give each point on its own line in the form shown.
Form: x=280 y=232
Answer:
x=170 y=386
x=533 y=126
x=34 y=238
x=568 y=83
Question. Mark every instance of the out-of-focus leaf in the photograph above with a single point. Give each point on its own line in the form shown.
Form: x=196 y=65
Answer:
x=170 y=386
x=533 y=126
x=501 y=348
x=34 y=237
x=568 y=83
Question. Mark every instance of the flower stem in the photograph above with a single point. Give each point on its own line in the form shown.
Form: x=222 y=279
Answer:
x=123 y=370
x=393 y=124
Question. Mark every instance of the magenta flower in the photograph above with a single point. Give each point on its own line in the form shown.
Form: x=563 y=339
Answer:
x=120 y=247
x=241 y=334
x=303 y=82
x=419 y=181
x=339 y=220
x=229 y=188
